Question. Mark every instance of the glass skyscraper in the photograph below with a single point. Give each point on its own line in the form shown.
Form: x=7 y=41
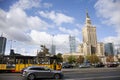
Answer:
x=2 y=45
x=109 y=50
x=72 y=42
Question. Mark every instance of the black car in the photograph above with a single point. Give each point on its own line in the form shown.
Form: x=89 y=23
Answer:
x=67 y=66
x=112 y=64
x=99 y=65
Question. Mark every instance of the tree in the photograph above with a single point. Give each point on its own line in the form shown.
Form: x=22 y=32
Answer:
x=80 y=59
x=110 y=59
x=60 y=58
x=56 y=58
x=53 y=59
x=71 y=59
x=44 y=49
x=41 y=55
x=93 y=58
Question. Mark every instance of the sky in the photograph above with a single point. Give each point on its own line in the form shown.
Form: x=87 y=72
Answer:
x=27 y=24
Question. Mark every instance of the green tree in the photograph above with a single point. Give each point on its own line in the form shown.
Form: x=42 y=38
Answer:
x=80 y=59
x=60 y=58
x=93 y=58
x=71 y=59
x=56 y=58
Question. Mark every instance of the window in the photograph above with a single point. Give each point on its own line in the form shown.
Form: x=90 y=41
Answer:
x=40 y=68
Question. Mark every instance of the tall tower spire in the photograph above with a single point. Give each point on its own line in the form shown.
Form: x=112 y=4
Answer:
x=87 y=16
x=88 y=21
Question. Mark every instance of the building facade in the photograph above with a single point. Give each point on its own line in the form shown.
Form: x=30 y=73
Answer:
x=72 y=43
x=53 y=49
x=90 y=45
x=66 y=55
x=109 y=49
x=2 y=45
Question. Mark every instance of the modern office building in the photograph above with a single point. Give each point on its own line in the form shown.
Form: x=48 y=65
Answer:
x=72 y=43
x=109 y=49
x=2 y=45
x=53 y=49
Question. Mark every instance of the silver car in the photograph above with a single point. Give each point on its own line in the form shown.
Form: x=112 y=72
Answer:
x=33 y=72
x=84 y=65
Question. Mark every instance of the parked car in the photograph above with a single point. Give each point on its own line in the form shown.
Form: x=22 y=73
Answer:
x=33 y=72
x=112 y=64
x=100 y=64
x=84 y=65
x=67 y=66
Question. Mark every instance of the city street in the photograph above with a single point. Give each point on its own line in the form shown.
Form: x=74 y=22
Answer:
x=79 y=37
x=94 y=74
x=76 y=74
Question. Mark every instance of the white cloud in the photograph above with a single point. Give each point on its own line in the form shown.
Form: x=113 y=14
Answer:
x=74 y=32
x=16 y=24
x=60 y=40
x=26 y=4
x=112 y=39
x=62 y=43
x=109 y=11
x=57 y=18
x=16 y=18
x=41 y=37
x=34 y=22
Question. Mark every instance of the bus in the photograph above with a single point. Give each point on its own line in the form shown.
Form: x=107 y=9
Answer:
x=18 y=62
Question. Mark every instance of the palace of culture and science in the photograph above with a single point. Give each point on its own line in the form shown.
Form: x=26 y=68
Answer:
x=90 y=45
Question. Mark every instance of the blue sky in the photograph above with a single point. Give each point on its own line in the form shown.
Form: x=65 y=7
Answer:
x=30 y=23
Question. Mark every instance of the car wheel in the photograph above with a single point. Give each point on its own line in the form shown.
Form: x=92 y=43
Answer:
x=31 y=77
x=57 y=76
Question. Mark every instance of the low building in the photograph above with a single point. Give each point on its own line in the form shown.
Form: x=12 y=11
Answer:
x=66 y=55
